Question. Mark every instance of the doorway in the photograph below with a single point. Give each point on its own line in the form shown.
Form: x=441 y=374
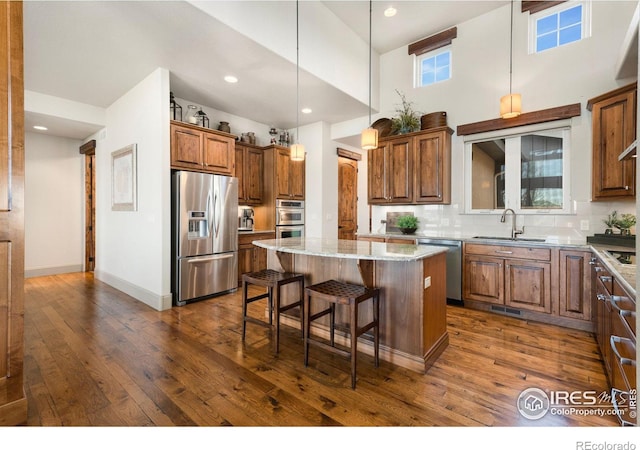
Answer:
x=89 y=151
x=347 y=194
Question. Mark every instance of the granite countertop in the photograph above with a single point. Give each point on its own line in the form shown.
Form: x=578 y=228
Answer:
x=565 y=241
x=625 y=274
x=348 y=249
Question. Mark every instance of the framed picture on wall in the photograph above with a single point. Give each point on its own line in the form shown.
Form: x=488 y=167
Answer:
x=123 y=179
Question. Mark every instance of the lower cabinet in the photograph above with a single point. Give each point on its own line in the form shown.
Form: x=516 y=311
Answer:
x=575 y=285
x=517 y=277
x=250 y=257
x=616 y=336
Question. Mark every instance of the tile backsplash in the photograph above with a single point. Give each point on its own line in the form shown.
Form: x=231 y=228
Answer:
x=586 y=221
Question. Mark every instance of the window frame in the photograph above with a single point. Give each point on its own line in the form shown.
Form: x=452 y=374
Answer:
x=565 y=6
x=417 y=68
x=513 y=177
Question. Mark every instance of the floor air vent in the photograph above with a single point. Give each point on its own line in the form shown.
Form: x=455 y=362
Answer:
x=504 y=309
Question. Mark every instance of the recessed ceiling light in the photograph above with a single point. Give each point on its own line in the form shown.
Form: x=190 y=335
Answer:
x=307 y=110
x=230 y=79
x=40 y=127
x=390 y=11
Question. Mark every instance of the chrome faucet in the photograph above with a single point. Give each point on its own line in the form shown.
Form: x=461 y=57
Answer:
x=514 y=231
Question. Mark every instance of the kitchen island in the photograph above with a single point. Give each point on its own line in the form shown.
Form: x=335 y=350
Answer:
x=412 y=282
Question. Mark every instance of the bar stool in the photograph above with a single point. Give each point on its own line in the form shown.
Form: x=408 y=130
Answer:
x=338 y=293
x=273 y=281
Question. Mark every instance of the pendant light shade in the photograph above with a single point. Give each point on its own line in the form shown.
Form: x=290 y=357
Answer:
x=510 y=105
x=369 y=137
x=296 y=152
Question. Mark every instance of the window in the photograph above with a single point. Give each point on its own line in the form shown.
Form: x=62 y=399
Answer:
x=528 y=172
x=433 y=67
x=559 y=26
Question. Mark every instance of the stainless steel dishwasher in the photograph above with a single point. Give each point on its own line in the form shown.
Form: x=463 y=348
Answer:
x=454 y=266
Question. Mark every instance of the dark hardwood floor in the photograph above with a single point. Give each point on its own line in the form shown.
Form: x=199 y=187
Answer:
x=96 y=357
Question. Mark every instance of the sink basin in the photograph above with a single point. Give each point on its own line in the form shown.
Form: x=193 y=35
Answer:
x=502 y=238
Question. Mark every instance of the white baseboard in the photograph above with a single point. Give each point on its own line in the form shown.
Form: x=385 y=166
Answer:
x=45 y=271
x=155 y=301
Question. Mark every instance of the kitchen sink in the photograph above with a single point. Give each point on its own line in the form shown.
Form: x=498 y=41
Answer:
x=502 y=238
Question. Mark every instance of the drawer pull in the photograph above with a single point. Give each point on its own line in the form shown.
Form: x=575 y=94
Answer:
x=620 y=340
x=597 y=269
x=606 y=279
x=601 y=297
x=504 y=252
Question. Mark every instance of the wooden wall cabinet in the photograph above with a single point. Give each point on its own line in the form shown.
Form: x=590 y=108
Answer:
x=249 y=169
x=433 y=167
x=290 y=176
x=614 y=129
x=413 y=168
x=390 y=172
x=517 y=277
x=250 y=257
x=201 y=149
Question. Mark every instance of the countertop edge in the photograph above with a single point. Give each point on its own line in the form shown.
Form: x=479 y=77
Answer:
x=432 y=251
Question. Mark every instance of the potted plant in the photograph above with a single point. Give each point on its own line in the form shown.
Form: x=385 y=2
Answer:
x=610 y=222
x=624 y=223
x=407 y=224
x=407 y=120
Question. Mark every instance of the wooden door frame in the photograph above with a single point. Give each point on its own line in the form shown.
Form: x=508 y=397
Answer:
x=89 y=150
x=357 y=157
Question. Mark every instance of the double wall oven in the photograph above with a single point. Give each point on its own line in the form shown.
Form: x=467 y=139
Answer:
x=289 y=218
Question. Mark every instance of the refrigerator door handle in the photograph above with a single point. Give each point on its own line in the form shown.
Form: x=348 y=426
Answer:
x=209 y=213
x=216 y=216
x=210 y=258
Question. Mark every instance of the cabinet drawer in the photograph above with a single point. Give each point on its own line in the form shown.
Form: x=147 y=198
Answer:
x=507 y=251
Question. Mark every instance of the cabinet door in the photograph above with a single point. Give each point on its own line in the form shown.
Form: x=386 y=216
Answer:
x=400 y=173
x=483 y=279
x=259 y=258
x=376 y=179
x=432 y=166
x=245 y=262
x=614 y=125
x=240 y=175
x=253 y=172
x=575 y=284
x=186 y=147
x=218 y=154
x=282 y=173
x=528 y=285
x=296 y=179
x=13 y=402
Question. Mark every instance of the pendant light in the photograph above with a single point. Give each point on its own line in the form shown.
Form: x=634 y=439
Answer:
x=297 y=150
x=369 y=137
x=510 y=105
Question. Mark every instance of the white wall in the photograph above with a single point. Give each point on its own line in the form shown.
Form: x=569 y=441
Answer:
x=133 y=250
x=566 y=75
x=54 y=195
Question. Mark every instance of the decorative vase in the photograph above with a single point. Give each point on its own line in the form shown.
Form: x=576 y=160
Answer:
x=224 y=126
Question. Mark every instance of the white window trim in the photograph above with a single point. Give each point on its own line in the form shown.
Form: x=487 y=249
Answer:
x=417 y=65
x=586 y=22
x=513 y=182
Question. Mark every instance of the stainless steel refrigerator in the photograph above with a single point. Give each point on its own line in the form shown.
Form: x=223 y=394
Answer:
x=205 y=235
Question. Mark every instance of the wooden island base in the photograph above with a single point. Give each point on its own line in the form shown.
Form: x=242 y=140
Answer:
x=413 y=327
